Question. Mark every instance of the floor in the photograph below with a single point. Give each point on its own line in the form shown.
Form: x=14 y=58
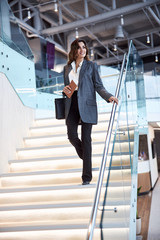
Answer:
x=149 y=210
x=154 y=222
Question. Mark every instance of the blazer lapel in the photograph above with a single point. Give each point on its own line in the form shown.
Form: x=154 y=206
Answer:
x=82 y=71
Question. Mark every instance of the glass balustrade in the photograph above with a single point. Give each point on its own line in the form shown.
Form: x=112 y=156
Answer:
x=116 y=212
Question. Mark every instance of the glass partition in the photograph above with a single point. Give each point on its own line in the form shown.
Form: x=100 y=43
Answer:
x=116 y=214
x=10 y=33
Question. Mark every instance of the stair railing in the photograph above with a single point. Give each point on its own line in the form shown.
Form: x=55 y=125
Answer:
x=104 y=158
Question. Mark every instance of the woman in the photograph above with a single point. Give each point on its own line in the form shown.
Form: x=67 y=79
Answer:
x=82 y=107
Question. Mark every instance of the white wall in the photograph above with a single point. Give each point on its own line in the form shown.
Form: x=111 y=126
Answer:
x=15 y=120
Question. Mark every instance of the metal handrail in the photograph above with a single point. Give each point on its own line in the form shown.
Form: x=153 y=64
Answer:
x=104 y=159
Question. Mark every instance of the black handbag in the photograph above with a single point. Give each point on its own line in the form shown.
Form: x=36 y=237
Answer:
x=60 y=108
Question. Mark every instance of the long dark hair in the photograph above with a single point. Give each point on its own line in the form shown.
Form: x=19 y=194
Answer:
x=74 y=48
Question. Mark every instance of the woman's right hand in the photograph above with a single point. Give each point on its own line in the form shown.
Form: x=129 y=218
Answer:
x=67 y=89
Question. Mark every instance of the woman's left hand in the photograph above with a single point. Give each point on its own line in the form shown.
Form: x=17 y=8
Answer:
x=113 y=99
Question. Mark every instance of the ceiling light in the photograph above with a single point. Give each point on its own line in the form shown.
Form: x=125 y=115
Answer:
x=156 y=58
x=92 y=53
x=55 y=7
x=29 y=14
x=77 y=35
x=119 y=32
x=115 y=47
x=148 y=39
x=122 y=20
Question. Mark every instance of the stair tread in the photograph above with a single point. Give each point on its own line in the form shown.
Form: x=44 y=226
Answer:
x=67 y=145
x=58 y=124
x=59 y=227
x=61 y=187
x=11 y=174
x=60 y=158
x=46 y=205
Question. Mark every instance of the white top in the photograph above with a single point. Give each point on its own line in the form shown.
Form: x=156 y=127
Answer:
x=73 y=75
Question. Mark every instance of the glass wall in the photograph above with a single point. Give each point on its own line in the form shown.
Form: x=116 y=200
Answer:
x=10 y=33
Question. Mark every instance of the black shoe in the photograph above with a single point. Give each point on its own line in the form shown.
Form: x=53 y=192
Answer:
x=85 y=182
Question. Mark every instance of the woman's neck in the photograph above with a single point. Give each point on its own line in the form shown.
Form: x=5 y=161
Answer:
x=78 y=61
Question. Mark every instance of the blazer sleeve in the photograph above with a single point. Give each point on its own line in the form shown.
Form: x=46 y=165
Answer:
x=99 y=85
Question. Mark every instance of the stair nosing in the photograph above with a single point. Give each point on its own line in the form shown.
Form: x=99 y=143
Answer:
x=62 y=158
x=62 y=187
x=60 y=125
x=51 y=146
x=63 y=145
x=47 y=172
x=42 y=227
x=60 y=205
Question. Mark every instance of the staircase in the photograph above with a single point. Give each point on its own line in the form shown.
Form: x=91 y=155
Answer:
x=42 y=198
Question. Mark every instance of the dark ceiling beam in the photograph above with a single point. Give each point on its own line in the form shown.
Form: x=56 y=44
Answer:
x=99 y=18
x=13 y=3
x=50 y=6
x=154 y=15
x=104 y=7
x=48 y=19
x=142 y=53
x=140 y=43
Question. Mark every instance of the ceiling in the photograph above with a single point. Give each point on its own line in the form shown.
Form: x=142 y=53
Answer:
x=96 y=22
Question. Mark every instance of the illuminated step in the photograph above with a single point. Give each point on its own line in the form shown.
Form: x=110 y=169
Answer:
x=49 y=178
x=68 y=150
x=52 y=121
x=51 y=216
x=56 y=140
x=53 y=151
x=63 y=139
x=58 y=164
x=50 y=164
x=75 y=233
x=42 y=179
x=62 y=195
x=48 y=121
x=60 y=216
x=53 y=129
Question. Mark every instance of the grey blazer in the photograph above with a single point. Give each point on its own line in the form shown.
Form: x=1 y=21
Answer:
x=89 y=83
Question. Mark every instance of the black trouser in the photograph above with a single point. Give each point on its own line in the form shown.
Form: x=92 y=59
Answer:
x=83 y=146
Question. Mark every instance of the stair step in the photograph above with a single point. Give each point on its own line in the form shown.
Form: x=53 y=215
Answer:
x=67 y=150
x=54 y=216
x=53 y=121
x=61 y=139
x=62 y=129
x=77 y=232
x=44 y=178
x=58 y=164
x=56 y=140
x=60 y=205
x=62 y=194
